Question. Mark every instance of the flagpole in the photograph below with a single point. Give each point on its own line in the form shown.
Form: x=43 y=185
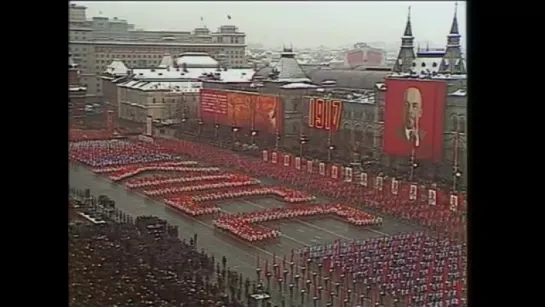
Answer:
x=413 y=161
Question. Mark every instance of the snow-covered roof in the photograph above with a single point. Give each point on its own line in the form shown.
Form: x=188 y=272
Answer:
x=117 y=68
x=459 y=93
x=77 y=89
x=230 y=75
x=196 y=59
x=288 y=67
x=298 y=85
x=167 y=61
x=186 y=87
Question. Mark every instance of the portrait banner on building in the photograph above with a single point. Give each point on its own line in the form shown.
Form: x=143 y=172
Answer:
x=348 y=174
x=432 y=197
x=149 y=126
x=363 y=179
x=413 y=192
x=286 y=160
x=395 y=186
x=378 y=183
x=298 y=162
x=321 y=168
x=453 y=202
x=274 y=157
x=265 y=155
x=244 y=109
x=413 y=118
x=309 y=166
x=334 y=172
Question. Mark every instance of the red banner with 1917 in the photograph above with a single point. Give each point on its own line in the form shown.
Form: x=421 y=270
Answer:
x=324 y=114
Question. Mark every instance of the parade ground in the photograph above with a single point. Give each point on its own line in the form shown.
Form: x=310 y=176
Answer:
x=241 y=255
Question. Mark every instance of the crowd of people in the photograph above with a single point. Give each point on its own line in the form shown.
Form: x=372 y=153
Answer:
x=438 y=218
x=145 y=264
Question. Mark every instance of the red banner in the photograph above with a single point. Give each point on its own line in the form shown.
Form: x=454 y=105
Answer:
x=454 y=202
x=298 y=162
x=309 y=166
x=321 y=168
x=246 y=110
x=334 y=172
x=432 y=197
x=324 y=114
x=379 y=181
x=414 y=118
x=413 y=192
x=363 y=179
x=286 y=160
x=274 y=157
x=348 y=174
x=395 y=186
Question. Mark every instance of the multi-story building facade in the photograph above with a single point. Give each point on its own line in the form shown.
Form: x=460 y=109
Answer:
x=95 y=43
x=76 y=92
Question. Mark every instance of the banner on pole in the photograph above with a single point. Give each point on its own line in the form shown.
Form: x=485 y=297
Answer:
x=378 y=183
x=395 y=186
x=286 y=160
x=363 y=179
x=309 y=166
x=274 y=157
x=432 y=197
x=321 y=168
x=265 y=156
x=348 y=174
x=413 y=191
x=453 y=203
x=334 y=172
x=298 y=162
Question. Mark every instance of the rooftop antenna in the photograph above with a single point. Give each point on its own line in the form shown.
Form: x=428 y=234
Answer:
x=409 y=13
x=428 y=46
x=202 y=22
x=456 y=8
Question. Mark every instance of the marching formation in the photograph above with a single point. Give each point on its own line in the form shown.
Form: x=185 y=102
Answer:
x=411 y=269
x=197 y=192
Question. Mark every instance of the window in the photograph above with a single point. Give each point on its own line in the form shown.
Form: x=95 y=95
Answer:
x=153 y=100
x=454 y=123
x=163 y=100
x=295 y=106
x=462 y=125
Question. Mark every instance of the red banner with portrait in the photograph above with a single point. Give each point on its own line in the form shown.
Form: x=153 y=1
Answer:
x=414 y=118
x=298 y=162
x=309 y=166
x=335 y=171
x=247 y=110
x=274 y=157
x=321 y=168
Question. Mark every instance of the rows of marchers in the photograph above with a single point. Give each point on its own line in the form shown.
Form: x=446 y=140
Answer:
x=204 y=182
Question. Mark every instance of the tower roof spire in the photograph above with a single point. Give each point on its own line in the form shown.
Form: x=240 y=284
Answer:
x=454 y=27
x=408 y=28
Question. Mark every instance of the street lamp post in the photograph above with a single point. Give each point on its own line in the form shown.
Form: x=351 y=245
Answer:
x=414 y=165
x=235 y=130
x=184 y=120
x=330 y=149
x=303 y=139
x=253 y=134
x=200 y=122
x=216 y=130
x=455 y=179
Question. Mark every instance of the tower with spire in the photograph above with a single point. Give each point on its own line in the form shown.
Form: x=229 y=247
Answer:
x=453 y=62
x=406 y=54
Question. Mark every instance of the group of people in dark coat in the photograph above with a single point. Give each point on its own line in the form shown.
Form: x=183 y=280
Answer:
x=145 y=264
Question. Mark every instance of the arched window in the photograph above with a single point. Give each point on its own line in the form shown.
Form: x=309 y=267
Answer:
x=462 y=125
x=368 y=138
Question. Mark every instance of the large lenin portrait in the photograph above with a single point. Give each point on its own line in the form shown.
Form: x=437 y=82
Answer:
x=414 y=118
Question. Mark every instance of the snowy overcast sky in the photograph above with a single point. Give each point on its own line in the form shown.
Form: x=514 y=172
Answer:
x=303 y=24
